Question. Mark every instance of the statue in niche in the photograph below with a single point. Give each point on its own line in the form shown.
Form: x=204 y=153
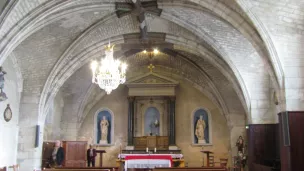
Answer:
x=240 y=144
x=2 y=94
x=199 y=131
x=104 y=124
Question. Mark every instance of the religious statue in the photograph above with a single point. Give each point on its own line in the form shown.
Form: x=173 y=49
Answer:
x=156 y=123
x=240 y=144
x=104 y=124
x=240 y=160
x=2 y=94
x=200 y=130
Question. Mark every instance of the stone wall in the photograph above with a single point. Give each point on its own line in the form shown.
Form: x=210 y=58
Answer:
x=187 y=100
x=9 y=130
x=52 y=129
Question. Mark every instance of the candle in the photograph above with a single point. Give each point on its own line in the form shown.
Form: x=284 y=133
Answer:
x=155 y=150
x=147 y=149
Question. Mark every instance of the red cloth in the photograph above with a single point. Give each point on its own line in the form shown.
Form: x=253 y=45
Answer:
x=152 y=157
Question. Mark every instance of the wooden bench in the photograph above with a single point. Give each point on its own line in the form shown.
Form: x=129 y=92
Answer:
x=83 y=169
x=191 y=169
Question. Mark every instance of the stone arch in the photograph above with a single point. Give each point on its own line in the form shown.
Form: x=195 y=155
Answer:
x=144 y=109
x=93 y=52
x=215 y=8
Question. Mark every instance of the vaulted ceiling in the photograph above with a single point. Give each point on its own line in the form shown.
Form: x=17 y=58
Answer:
x=213 y=44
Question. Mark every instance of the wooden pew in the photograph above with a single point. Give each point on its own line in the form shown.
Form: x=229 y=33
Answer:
x=2 y=168
x=77 y=169
x=191 y=169
x=83 y=169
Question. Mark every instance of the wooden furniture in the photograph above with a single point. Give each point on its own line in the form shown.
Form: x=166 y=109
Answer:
x=82 y=169
x=75 y=153
x=100 y=152
x=261 y=167
x=208 y=158
x=85 y=168
x=223 y=162
x=263 y=144
x=2 y=168
x=291 y=154
x=47 y=149
x=160 y=142
x=191 y=169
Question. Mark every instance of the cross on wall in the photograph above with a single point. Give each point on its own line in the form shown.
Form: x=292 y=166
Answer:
x=151 y=67
x=139 y=9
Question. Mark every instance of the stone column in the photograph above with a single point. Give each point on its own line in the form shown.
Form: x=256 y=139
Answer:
x=131 y=123
x=29 y=156
x=172 y=144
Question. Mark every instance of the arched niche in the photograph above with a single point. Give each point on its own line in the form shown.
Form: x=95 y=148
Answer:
x=204 y=114
x=109 y=116
x=151 y=121
x=156 y=106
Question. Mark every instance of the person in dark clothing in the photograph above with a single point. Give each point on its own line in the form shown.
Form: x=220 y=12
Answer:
x=91 y=154
x=57 y=155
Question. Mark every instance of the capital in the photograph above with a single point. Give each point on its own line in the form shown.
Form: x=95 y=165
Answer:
x=131 y=98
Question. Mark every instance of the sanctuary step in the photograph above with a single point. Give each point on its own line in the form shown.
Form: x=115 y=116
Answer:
x=191 y=169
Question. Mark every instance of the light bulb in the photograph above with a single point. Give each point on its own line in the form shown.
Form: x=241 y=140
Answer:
x=155 y=51
x=94 y=66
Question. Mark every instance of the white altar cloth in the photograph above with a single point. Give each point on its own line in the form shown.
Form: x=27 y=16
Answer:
x=147 y=161
x=173 y=156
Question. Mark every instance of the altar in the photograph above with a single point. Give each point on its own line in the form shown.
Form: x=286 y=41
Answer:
x=151 y=124
x=150 y=160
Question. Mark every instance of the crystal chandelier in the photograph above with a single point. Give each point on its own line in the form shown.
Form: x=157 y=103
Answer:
x=110 y=72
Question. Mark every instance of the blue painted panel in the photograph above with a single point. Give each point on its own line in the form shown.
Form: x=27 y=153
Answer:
x=108 y=116
x=151 y=115
x=197 y=114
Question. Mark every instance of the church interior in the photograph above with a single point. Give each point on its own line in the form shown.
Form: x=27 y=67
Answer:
x=142 y=85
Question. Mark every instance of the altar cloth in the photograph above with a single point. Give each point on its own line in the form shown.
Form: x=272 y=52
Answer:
x=173 y=156
x=147 y=161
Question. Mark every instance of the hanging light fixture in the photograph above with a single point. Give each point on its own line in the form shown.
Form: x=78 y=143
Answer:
x=110 y=72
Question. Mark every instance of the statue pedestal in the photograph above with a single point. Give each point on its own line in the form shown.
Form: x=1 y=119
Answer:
x=130 y=148
x=173 y=147
x=202 y=141
x=103 y=142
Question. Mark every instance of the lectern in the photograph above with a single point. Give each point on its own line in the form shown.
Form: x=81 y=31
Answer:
x=208 y=154
x=100 y=157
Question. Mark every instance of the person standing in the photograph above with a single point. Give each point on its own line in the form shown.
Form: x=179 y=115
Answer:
x=57 y=155
x=91 y=154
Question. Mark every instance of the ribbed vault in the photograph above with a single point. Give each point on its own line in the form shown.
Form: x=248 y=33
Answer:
x=59 y=37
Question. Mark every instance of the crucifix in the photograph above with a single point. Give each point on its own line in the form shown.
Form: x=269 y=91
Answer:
x=139 y=9
x=151 y=67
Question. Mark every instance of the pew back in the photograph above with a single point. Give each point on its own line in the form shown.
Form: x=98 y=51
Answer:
x=191 y=169
x=83 y=169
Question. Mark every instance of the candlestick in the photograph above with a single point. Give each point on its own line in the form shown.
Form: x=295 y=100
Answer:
x=155 y=150
x=147 y=149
